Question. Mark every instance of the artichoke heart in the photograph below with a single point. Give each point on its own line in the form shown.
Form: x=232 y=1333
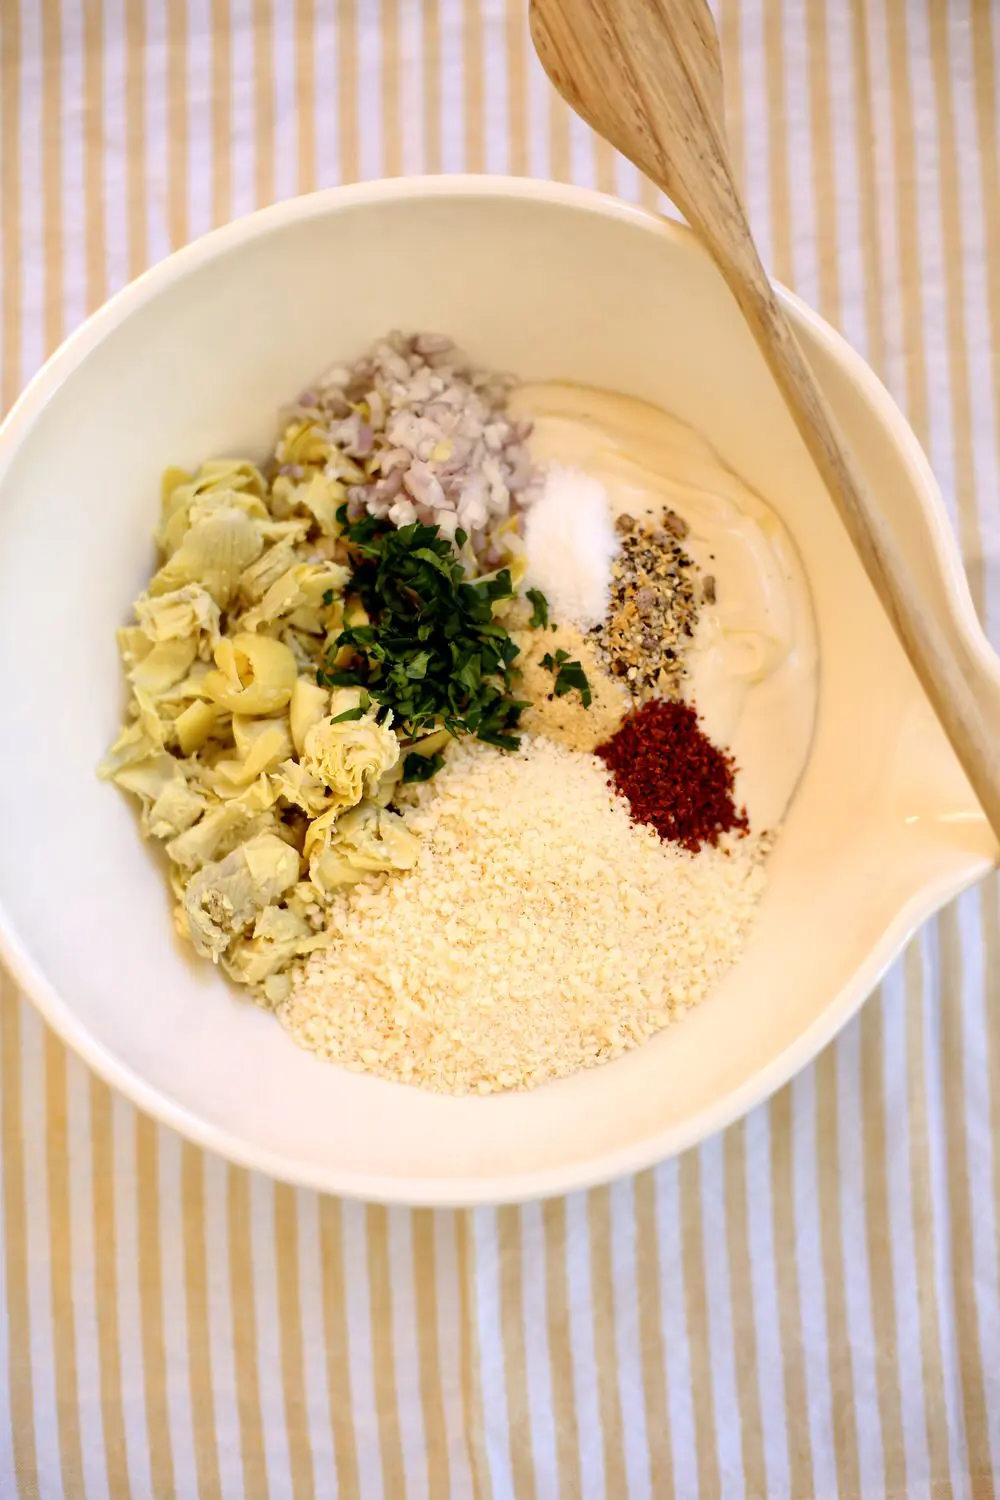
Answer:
x=223 y=898
x=342 y=851
x=214 y=552
x=255 y=675
x=351 y=755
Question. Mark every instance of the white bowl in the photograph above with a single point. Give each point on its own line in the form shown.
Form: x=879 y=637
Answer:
x=193 y=360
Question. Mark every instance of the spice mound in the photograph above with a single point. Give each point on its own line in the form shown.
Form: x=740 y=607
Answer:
x=674 y=779
x=653 y=610
x=541 y=931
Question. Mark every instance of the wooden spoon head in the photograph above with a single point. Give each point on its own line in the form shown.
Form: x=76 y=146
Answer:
x=647 y=76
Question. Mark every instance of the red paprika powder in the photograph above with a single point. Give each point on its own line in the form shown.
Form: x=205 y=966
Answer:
x=672 y=776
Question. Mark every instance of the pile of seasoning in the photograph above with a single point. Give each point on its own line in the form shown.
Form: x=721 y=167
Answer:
x=653 y=607
x=673 y=777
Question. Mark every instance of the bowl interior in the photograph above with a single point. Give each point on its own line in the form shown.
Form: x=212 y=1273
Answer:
x=193 y=361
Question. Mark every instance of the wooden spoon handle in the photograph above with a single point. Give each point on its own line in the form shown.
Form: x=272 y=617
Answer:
x=963 y=714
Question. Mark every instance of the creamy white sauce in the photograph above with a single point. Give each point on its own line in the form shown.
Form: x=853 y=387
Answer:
x=753 y=664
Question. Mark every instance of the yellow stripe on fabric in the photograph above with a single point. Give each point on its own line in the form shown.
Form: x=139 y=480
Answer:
x=517 y=88
x=93 y=147
x=199 y=1346
x=383 y=1350
x=52 y=172
x=151 y=1329
x=61 y=1268
x=604 y=164
x=293 y=1381
x=392 y=142
x=263 y=107
x=20 y=1397
x=560 y=162
x=102 y=1159
x=472 y=1395
x=177 y=124
x=744 y=1321
x=963 y=1279
x=824 y=184
x=868 y=190
x=10 y=202
x=514 y=1352
x=222 y=111
x=696 y=1313
x=347 y=90
x=910 y=274
x=925 y=1232
x=783 y=264
x=652 y=1351
x=305 y=84
x=839 y=1352
x=136 y=173
x=800 y=1459
x=989 y=917
x=429 y=1353
x=984 y=22
x=560 y=1349
x=244 y=1324
x=432 y=84
x=878 y=1231
x=335 y=1334
x=602 y=1282
x=954 y=285
x=472 y=85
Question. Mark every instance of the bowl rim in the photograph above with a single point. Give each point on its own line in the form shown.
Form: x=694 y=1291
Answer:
x=659 y=1146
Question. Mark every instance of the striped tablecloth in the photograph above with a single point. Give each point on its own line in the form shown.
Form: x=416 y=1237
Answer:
x=809 y=1305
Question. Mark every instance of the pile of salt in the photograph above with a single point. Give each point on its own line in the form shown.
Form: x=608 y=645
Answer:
x=571 y=543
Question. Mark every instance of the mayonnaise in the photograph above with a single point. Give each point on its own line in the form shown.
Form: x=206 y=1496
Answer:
x=753 y=663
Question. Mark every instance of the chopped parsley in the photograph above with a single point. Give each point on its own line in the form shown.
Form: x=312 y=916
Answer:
x=421 y=767
x=568 y=675
x=432 y=651
x=539 y=609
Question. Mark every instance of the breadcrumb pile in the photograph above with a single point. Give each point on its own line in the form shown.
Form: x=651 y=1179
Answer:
x=541 y=931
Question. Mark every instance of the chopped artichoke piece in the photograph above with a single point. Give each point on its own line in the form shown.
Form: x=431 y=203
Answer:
x=350 y=756
x=219 y=831
x=302 y=789
x=230 y=481
x=165 y=665
x=187 y=611
x=279 y=936
x=322 y=498
x=223 y=898
x=309 y=703
x=344 y=850
x=256 y=674
x=217 y=547
x=304 y=584
x=261 y=744
x=176 y=808
x=133 y=645
x=194 y=725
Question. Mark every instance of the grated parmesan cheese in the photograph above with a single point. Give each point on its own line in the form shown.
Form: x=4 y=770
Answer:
x=541 y=931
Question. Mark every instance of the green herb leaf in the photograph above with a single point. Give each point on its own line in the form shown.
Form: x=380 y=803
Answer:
x=431 y=651
x=569 y=676
x=349 y=715
x=421 y=767
x=539 y=609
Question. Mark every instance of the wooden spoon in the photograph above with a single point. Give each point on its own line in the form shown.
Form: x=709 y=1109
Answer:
x=647 y=76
